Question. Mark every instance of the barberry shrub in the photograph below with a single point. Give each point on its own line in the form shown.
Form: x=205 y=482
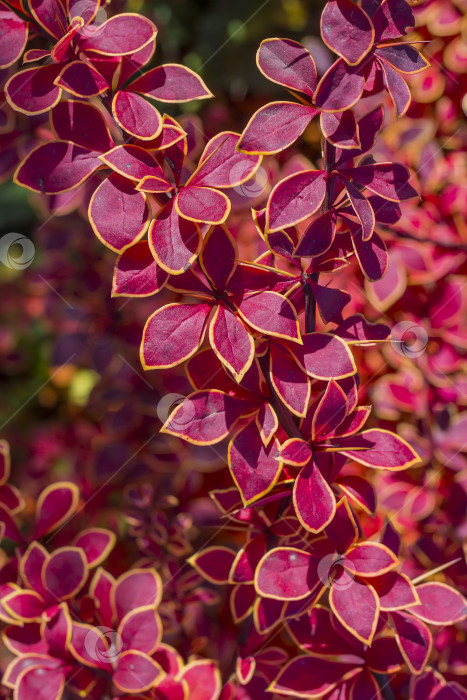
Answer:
x=325 y=596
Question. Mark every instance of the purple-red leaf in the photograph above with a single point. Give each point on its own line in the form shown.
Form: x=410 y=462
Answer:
x=272 y=314
x=346 y=29
x=275 y=127
x=118 y=213
x=287 y=63
x=174 y=241
x=172 y=334
x=313 y=499
x=137 y=274
x=171 y=83
x=56 y=166
x=205 y=417
x=295 y=198
x=252 y=465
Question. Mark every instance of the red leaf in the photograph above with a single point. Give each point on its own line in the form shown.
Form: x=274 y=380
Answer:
x=32 y=91
x=275 y=127
x=331 y=411
x=8 y=526
x=82 y=124
x=342 y=530
x=339 y=88
x=287 y=63
x=362 y=209
x=272 y=314
x=231 y=341
x=135 y=672
x=346 y=29
x=384 y=656
x=403 y=58
x=372 y=255
x=203 y=680
x=370 y=559
x=25 y=606
x=365 y=686
x=96 y=544
x=318 y=237
x=286 y=573
x=14 y=33
x=172 y=334
x=397 y=88
x=356 y=329
x=440 y=604
x=174 y=241
x=295 y=451
x=221 y=165
x=295 y=198
x=356 y=606
x=352 y=423
x=414 y=640
x=313 y=499
x=56 y=166
x=214 y=563
x=118 y=213
x=252 y=465
x=218 y=258
x=136 y=116
x=324 y=356
x=340 y=128
x=247 y=559
x=135 y=589
x=140 y=629
x=202 y=204
x=65 y=573
x=206 y=417
x=360 y=491
x=385 y=450
x=55 y=505
x=292 y=385
x=388 y=180
x=171 y=83
x=309 y=676
x=120 y=35
x=135 y=163
x=40 y=683
x=82 y=80
x=137 y=274
x=395 y=591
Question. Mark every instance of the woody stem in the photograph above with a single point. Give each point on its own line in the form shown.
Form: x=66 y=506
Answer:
x=283 y=414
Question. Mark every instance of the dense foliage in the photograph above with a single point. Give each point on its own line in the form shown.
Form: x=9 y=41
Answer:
x=296 y=292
